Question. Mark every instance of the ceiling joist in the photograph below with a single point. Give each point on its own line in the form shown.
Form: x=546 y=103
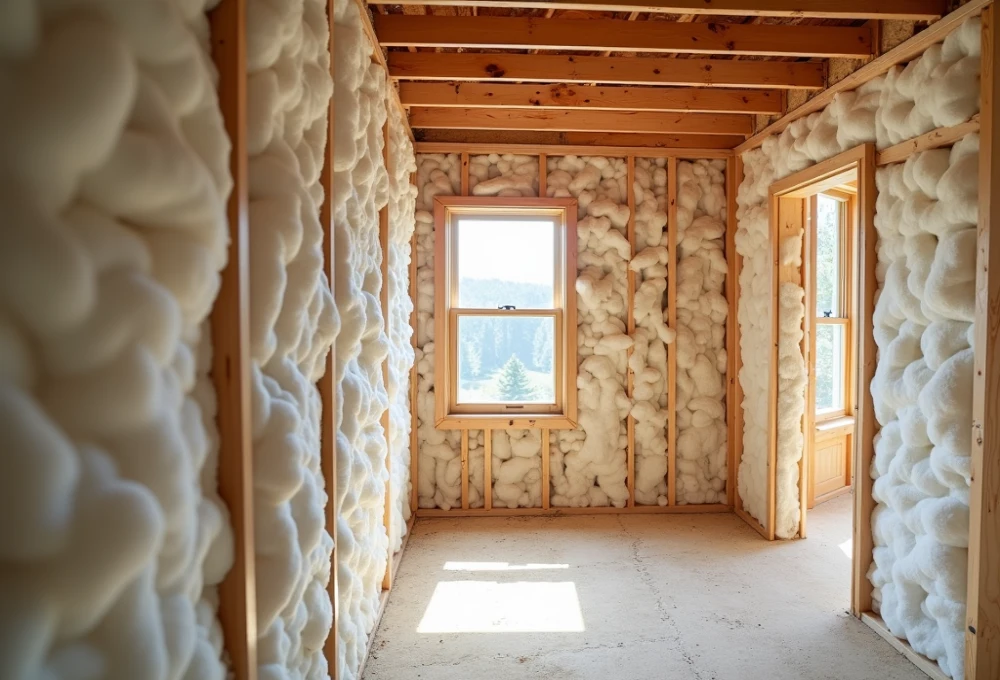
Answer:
x=400 y=30
x=579 y=121
x=556 y=68
x=915 y=10
x=563 y=96
x=487 y=141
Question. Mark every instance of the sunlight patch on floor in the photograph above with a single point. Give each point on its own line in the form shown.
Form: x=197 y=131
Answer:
x=499 y=566
x=491 y=607
x=847 y=547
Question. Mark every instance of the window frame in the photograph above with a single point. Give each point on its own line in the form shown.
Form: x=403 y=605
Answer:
x=449 y=414
x=843 y=315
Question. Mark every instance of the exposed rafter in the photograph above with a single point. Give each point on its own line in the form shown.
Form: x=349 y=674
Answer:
x=832 y=9
x=609 y=34
x=549 y=68
x=579 y=121
x=563 y=96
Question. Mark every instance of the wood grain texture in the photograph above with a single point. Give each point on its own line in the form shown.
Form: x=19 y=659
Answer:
x=734 y=177
x=619 y=70
x=525 y=33
x=982 y=633
x=230 y=372
x=672 y=323
x=579 y=120
x=597 y=97
x=383 y=241
x=487 y=469
x=546 y=480
x=427 y=513
x=935 y=139
x=630 y=326
x=611 y=144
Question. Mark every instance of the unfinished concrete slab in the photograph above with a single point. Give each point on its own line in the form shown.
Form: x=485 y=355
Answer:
x=699 y=597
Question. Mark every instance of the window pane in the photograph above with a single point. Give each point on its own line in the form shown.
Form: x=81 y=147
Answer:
x=830 y=378
x=504 y=261
x=828 y=266
x=506 y=359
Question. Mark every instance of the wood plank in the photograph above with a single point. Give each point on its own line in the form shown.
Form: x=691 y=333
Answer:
x=672 y=323
x=525 y=33
x=612 y=70
x=435 y=513
x=465 y=174
x=630 y=325
x=901 y=54
x=928 y=667
x=414 y=378
x=543 y=172
x=585 y=143
x=757 y=526
x=546 y=479
x=465 y=469
x=230 y=372
x=568 y=96
x=935 y=139
x=982 y=632
x=734 y=171
x=580 y=120
x=915 y=10
x=383 y=240
x=487 y=469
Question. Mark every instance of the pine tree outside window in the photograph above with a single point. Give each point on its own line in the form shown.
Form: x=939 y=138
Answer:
x=505 y=312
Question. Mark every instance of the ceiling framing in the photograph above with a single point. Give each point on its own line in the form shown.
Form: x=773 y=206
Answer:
x=665 y=74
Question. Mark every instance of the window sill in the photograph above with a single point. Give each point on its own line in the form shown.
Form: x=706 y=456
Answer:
x=835 y=427
x=527 y=421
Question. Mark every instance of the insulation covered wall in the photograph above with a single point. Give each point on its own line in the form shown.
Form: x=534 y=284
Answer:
x=939 y=88
x=291 y=330
x=926 y=219
x=116 y=174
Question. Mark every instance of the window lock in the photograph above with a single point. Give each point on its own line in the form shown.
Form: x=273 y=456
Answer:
x=506 y=307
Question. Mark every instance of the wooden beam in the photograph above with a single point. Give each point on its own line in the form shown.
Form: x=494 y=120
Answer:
x=734 y=177
x=591 y=143
x=672 y=323
x=487 y=469
x=546 y=479
x=580 y=121
x=914 y=10
x=569 y=96
x=706 y=509
x=982 y=618
x=465 y=469
x=547 y=68
x=230 y=373
x=935 y=139
x=525 y=33
x=901 y=54
x=630 y=325
x=383 y=240
x=928 y=667
x=414 y=378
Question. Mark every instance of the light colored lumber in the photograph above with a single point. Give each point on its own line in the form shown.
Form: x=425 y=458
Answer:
x=598 y=97
x=915 y=10
x=230 y=372
x=734 y=171
x=383 y=241
x=543 y=173
x=672 y=323
x=465 y=174
x=928 y=667
x=901 y=54
x=428 y=513
x=757 y=526
x=935 y=139
x=546 y=480
x=982 y=632
x=525 y=33
x=556 y=143
x=612 y=70
x=457 y=118
x=487 y=469
x=579 y=149
x=414 y=441
x=465 y=469
x=630 y=324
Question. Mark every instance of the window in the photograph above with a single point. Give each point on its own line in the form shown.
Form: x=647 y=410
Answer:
x=832 y=217
x=505 y=310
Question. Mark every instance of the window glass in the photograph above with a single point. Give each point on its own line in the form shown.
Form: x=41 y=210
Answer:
x=829 y=367
x=828 y=265
x=506 y=359
x=506 y=261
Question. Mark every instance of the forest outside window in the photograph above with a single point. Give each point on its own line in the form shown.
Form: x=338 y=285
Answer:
x=505 y=312
x=832 y=216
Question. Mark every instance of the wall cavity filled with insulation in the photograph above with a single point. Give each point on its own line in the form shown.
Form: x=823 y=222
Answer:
x=116 y=174
x=368 y=177
x=922 y=391
x=589 y=465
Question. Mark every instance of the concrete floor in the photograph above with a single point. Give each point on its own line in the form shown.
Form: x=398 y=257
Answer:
x=671 y=597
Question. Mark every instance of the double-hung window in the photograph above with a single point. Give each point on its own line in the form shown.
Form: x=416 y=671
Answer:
x=832 y=215
x=505 y=312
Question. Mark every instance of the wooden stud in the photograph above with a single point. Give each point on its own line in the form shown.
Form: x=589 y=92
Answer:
x=630 y=321
x=614 y=98
x=935 y=139
x=563 y=150
x=928 y=667
x=383 y=240
x=901 y=54
x=706 y=509
x=414 y=378
x=746 y=517
x=525 y=33
x=465 y=469
x=543 y=172
x=807 y=345
x=982 y=632
x=487 y=469
x=611 y=144
x=546 y=475
x=456 y=118
x=733 y=180
x=672 y=323
x=230 y=328
x=465 y=174
x=562 y=68
x=920 y=10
